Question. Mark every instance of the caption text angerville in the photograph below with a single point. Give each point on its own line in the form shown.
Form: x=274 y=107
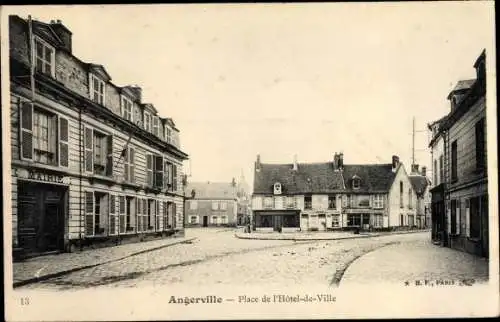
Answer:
x=275 y=298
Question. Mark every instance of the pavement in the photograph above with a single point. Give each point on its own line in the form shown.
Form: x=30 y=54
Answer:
x=413 y=263
x=41 y=268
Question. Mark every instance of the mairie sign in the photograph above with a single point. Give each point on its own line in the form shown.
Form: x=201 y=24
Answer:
x=32 y=174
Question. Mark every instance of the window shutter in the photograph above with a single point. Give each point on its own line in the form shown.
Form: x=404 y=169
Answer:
x=155 y=125
x=174 y=175
x=89 y=213
x=122 y=214
x=131 y=162
x=467 y=217
x=126 y=168
x=458 y=217
x=26 y=124
x=149 y=169
x=165 y=216
x=63 y=142
x=145 y=214
x=448 y=217
x=112 y=215
x=165 y=174
x=89 y=148
x=174 y=215
x=91 y=86
x=109 y=156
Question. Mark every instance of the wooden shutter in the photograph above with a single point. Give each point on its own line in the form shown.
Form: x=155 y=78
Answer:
x=112 y=215
x=26 y=129
x=448 y=216
x=63 y=142
x=131 y=161
x=165 y=175
x=165 y=216
x=158 y=171
x=144 y=214
x=109 y=156
x=138 y=208
x=149 y=169
x=157 y=215
x=126 y=155
x=174 y=175
x=155 y=125
x=122 y=214
x=89 y=213
x=89 y=148
x=457 y=217
x=467 y=217
x=174 y=215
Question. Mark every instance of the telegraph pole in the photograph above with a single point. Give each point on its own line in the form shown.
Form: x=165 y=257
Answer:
x=413 y=143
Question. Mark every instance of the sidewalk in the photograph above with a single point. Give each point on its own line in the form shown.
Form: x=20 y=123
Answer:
x=305 y=236
x=413 y=262
x=44 y=267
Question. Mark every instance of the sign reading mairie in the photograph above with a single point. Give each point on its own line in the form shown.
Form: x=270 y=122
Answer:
x=33 y=174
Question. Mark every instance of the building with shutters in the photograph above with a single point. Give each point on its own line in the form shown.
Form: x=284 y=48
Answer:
x=92 y=164
x=420 y=184
x=331 y=195
x=211 y=204
x=461 y=198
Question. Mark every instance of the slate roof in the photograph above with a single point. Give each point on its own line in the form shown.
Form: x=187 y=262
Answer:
x=462 y=85
x=211 y=190
x=309 y=178
x=419 y=183
x=373 y=177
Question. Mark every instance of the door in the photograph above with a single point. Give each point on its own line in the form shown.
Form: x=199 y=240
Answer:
x=277 y=222
x=205 y=221
x=41 y=217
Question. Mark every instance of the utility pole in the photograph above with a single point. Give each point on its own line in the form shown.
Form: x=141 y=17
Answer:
x=413 y=144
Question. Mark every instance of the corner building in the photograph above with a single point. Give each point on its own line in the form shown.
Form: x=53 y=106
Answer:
x=92 y=164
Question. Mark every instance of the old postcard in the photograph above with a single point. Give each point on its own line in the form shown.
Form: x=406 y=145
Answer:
x=250 y=161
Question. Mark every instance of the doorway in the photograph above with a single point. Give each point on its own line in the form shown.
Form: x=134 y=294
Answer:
x=41 y=214
x=277 y=222
x=205 y=221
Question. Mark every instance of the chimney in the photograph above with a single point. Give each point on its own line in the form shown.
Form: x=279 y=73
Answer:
x=341 y=161
x=395 y=162
x=137 y=92
x=424 y=171
x=414 y=169
x=295 y=165
x=63 y=33
x=336 y=161
x=257 y=163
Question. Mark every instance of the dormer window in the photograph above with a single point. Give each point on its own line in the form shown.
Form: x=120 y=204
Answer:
x=356 y=182
x=44 y=57
x=147 y=121
x=156 y=128
x=277 y=188
x=97 y=89
x=127 y=108
x=168 y=134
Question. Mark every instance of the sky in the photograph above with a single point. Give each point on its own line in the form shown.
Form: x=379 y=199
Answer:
x=283 y=80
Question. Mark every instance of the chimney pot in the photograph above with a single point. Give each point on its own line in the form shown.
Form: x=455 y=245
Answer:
x=395 y=162
x=295 y=165
x=424 y=171
x=341 y=160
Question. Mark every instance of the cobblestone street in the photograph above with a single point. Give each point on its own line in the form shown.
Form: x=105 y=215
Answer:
x=217 y=257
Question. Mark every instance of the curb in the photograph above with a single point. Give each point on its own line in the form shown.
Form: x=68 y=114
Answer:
x=80 y=268
x=337 y=277
x=304 y=239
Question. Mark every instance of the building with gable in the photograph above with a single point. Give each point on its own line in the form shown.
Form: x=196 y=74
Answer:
x=92 y=164
x=331 y=195
x=211 y=204
x=460 y=195
x=421 y=184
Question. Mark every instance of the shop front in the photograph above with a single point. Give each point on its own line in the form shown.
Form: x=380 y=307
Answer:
x=280 y=221
x=41 y=212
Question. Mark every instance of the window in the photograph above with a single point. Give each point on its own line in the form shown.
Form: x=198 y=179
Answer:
x=169 y=134
x=410 y=199
x=214 y=220
x=151 y=214
x=307 y=202
x=454 y=175
x=130 y=215
x=98 y=152
x=193 y=204
x=122 y=214
x=44 y=57
x=157 y=216
x=154 y=171
x=441 y=169
x=170 y=176
x=401 y=194
x=268 y=202
x=147 y=121
x=332 y=202
x=223 y=219
x=474 y=217
x=193 y=219
x=101 y=212
x=96 y=89
x=354 y=220
x=455 y=217
x=112 y=215
x=378 y=201
x=127 y=108
x=335 y=221
x=480 y=145
x=215 y=205
x=138 y=116
x=401 y=220
x=411 y=220
x=277 y=188
x=223 y=205
x=378 y=221
x=44 y=137
x=356 y=182
x=166 y=221
x=156 y=126
x=290 y=202
x=435 y=172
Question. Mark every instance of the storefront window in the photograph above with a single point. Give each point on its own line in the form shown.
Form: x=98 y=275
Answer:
x=354 y=220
